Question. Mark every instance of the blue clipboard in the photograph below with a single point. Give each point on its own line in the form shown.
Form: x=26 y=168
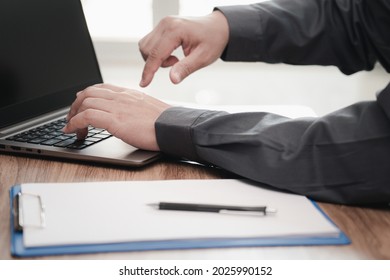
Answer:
x=19 y=250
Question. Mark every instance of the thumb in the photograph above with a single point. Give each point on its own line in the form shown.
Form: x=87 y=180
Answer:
x=185 y=67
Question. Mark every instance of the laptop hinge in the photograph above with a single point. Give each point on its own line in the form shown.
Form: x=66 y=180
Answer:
x=33 y=122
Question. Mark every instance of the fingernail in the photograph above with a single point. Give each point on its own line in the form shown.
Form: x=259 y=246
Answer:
x=65 y=129
x=176 y=77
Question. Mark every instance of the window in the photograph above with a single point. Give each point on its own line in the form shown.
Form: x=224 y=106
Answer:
x=117 y=25
x=124 y=20
x=118 y=20
x=204 y=7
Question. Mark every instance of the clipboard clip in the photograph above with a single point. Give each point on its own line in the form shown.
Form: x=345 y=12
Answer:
x=19 y=217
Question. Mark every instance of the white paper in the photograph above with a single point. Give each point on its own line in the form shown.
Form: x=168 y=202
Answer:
x=109 y=212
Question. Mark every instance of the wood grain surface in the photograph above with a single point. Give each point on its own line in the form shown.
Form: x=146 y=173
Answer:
x=368 y=229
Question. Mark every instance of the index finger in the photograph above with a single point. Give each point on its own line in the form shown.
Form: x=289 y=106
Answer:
x=158 y=53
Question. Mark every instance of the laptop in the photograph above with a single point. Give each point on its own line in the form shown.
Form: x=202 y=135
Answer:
x=46 y=57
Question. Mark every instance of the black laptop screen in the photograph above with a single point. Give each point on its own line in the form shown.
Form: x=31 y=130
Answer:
x=46 y=56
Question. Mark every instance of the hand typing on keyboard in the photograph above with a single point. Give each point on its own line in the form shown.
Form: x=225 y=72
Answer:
x=127 y=114
x=51 y=134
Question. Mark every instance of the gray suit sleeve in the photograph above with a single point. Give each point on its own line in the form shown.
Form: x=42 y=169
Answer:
x=343 y=157
x=350 y=34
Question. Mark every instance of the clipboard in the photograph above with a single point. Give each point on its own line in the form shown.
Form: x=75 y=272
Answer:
x=18 y=248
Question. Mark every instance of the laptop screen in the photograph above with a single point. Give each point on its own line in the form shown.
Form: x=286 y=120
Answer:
x=46 y=56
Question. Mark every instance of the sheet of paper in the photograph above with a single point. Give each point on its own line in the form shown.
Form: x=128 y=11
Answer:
x=107 y=212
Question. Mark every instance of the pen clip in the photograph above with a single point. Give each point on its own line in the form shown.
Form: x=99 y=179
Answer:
x=244 y=213
x=248 y=212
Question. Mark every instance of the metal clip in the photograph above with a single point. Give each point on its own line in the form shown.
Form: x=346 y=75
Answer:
x=19 y=217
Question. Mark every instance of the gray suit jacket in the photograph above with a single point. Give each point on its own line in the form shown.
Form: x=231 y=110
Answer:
x=343 y=157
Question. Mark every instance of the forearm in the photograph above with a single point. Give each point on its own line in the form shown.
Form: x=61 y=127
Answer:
x=340 y=158
x=350 y=34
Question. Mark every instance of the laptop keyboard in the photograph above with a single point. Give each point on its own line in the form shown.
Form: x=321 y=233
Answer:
x=51 y=135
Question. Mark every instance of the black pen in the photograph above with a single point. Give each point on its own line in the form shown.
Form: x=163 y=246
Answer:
x=222 y=209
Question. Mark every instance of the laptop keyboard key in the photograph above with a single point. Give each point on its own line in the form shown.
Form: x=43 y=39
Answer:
x=80 y=144
x=63 y=137
x=37 y=140
x=65 y=143
x=50 y=142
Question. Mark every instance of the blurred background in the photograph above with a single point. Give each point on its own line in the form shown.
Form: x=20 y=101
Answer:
x=116 y=26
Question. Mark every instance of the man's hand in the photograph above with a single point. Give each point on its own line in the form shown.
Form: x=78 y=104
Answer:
x=202 y=39
x=127 y=114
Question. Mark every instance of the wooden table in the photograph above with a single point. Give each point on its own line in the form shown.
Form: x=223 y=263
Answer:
x=368 y=229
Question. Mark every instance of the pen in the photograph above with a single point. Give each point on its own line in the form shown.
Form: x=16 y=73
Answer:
x=222 y=209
